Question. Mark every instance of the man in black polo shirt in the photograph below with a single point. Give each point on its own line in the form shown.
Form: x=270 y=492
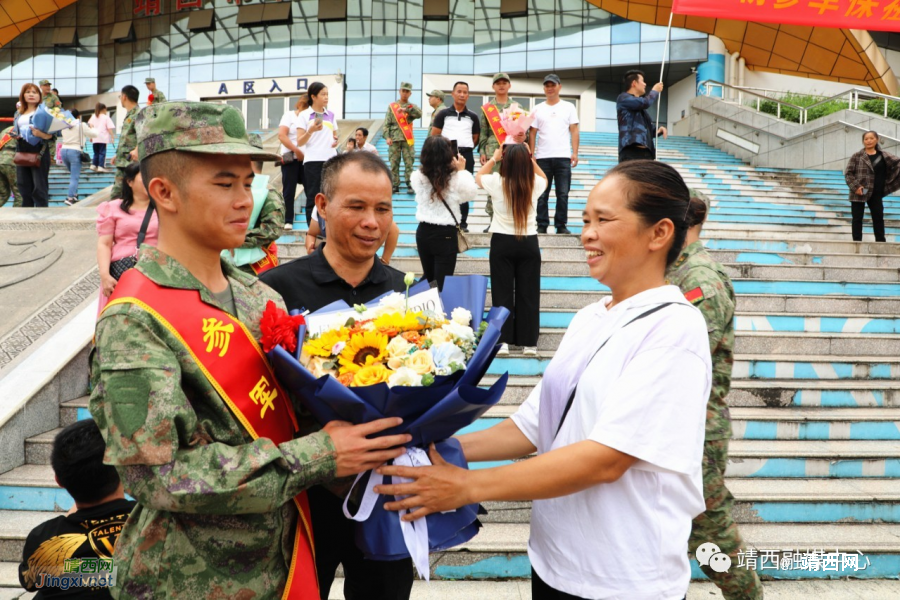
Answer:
x=355 y=202
x=461 y=124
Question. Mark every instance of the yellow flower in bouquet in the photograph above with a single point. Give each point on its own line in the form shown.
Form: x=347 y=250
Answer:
x=322 y=345
x=396 y=323
x=360 y=348
x=371 y=375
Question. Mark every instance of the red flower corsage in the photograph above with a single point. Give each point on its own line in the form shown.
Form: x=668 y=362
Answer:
x=279 y=328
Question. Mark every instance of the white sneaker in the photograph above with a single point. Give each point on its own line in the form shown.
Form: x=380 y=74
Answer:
x=288 y=226
x=93 y=167
x=103 y=170
x=504 y=350
x=530 y=351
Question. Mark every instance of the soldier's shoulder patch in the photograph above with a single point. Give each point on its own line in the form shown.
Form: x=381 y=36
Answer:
x=694 y=296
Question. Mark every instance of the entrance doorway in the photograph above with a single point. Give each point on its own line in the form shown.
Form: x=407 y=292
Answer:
x=261 y=112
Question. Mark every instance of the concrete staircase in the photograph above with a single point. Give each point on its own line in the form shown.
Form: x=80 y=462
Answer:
x=90 y=182
x=815 y=463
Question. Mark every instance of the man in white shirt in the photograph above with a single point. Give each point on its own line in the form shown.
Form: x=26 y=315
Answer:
x=460 y=124
x=362 y=135
x=554 y=141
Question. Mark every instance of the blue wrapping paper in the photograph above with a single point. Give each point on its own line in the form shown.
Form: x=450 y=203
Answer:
x=430 y=414
x=467 y=291
x=42 y=120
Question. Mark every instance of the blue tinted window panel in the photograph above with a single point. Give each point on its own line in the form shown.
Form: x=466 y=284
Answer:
x=540 y=32
x=652 y=52
x=279 y=67
x=331 y=64
x=384 y=37
x=251 y=69
x=305 y=65
x=487 y=63
x=409 y=68
x=380 y=101
x=356 y=101
x=652 y=33
x=687 y=34
x=359 y=8
x=461 y=63
x=606 y=126
x=359 y=72
x=626 y=33
x=536 y=61
x=689 y=50
x=595 y=56
x=567 y=58
x=625 y=54
x=6 y=88
x=384 y=72
x=437 y=65
x=221 y=71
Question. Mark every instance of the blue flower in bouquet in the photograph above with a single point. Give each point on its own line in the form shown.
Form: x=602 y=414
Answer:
x=448 y=358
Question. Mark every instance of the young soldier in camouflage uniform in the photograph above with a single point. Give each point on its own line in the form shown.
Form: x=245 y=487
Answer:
x=126 y=151
x=393 y=136
x=436 y=102
x=158 y=96
x=215 y=514
x=51 y=100
x=707 y=286
x=8 y=183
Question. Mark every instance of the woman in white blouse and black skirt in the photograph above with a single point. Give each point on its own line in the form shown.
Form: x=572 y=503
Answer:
x=515 y=254
x=441 y=185
x=617 y=421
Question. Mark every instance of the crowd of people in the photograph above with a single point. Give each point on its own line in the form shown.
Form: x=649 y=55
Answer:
x=631 y=429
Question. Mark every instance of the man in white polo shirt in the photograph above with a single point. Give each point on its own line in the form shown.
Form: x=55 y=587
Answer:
x=461 y=124
x=556 y=129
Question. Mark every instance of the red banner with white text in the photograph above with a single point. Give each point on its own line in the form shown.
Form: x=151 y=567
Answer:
x=875 y=15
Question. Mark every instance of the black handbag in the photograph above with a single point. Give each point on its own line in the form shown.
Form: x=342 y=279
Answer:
x=118 y=268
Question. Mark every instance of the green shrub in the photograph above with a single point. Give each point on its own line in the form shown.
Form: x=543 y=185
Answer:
x=876 y=106
x=793 y=115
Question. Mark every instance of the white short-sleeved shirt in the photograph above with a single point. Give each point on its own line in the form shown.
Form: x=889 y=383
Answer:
x=369 y=148
x=554 y=140
x=319 y=147
x=644 y=394
x=289 y=120
x=429 y=209
x=503 y=221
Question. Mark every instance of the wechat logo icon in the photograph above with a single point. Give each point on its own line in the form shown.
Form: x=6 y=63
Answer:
x=710 y=555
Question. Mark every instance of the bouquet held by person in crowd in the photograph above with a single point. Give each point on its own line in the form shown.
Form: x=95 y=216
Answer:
x=48 y=120
x=398 y=356
x=515 y=121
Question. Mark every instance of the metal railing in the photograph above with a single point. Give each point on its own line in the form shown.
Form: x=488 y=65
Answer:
x=851 y=97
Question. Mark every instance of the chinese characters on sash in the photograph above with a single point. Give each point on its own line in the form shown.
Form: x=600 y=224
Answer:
x=405 y=125
x=493 y=118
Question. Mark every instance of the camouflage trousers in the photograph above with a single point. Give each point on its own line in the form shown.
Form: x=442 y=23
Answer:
x=9 y=185
x=117 y=185
x=395 y=151
x=717 y=525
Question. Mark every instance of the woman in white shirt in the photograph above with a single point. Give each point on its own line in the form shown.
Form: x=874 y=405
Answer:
x=317 y=135
x=72 y=146
x=106 y=130
x=291 y=158
x=441 y=185
x=617 y=421
x=515 y=256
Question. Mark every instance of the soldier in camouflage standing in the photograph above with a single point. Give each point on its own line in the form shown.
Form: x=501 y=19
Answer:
x=126 y=151
x=51 y=100
x=707 y=286
x=398 y=143
x=156 y=95
x=8 y=183
x=488 y=141
x=192 y=417
x=436 y=102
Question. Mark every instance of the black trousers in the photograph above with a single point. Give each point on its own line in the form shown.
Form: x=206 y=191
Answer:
x=466 y=153
x=635 y=153
x=363 y=579
x=516 y=285
x=876 y=209
x=34 y=183
x=541 y=591
x=560 y=171
x=437 y=251
x=291 y=176
x=312 y=185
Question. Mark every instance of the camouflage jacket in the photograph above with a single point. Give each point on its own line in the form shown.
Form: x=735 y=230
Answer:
x=127 y=140
x=159 y=97
x=488 y=142
x=706 y=285
x=391 y=129
x=51 y=100
x=8 y=151
x=214 y=517
x=270 y=224
x=433 y=115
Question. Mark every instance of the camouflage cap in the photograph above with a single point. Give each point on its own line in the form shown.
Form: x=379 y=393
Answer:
x=700 y=196
x=500 y=76
x=44 y=82
x=150 y=80
x=437 y=94
x=201 y=127
x=406 y=86
x=255 y=140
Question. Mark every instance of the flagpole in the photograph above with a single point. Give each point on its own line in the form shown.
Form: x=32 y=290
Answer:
x=662 y=71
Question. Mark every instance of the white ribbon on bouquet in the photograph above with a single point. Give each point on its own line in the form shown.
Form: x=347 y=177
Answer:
x=415 y=533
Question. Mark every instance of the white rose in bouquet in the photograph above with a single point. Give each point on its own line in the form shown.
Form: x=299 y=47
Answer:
x=398 y=347
x=460 y=332
x=438 y=336
x=462 y=316
x=406 y=377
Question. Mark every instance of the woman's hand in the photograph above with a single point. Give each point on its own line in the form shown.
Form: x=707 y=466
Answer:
x=459 y=162
x=108 y=284
x=519 y=138
x=316 y=126
x=860 y=191
x=298 y=155
x=438 y=488
x=41 y=134
x=498 y=155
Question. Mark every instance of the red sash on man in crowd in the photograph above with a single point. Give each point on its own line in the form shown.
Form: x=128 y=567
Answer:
x=269 y=261
x=234 y=364
x=5 y=139
x=493 y=119
x=405 y=127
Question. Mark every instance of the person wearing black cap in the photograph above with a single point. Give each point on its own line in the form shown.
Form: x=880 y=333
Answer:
x=554 y=139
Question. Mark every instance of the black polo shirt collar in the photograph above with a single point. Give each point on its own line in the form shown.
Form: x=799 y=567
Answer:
x=322 y=272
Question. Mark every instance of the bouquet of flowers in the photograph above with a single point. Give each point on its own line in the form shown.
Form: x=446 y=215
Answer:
x=515 y=120
x=400 y=358
x=48 y=120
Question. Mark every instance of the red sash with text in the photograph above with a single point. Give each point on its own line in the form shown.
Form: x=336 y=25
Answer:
x=269 y=261
x=5 y=140
x=405 y=126
x=234 y=364
x=493 y=118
